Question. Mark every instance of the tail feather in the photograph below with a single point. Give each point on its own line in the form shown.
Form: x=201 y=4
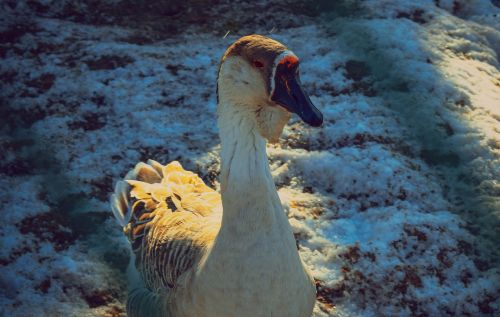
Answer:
x=145 y=173
x=121 y=201
x=156 y=166
x=151 y=185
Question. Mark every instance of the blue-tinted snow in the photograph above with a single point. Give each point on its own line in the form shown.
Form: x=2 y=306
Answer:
x=394 y=201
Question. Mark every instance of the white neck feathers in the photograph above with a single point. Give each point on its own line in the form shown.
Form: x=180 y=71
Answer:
x=249 y=195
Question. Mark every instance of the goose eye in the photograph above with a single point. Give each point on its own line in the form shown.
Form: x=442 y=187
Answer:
x=258 y=64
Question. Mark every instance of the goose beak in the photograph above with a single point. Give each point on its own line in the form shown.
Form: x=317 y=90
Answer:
x=289 y=94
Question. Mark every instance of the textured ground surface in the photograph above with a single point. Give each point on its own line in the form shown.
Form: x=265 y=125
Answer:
x=395 y=201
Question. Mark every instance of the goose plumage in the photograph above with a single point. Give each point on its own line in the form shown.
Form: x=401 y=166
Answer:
x=196 y=252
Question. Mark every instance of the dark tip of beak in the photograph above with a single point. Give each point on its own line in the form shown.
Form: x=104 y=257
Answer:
x=313 y=118
x=289 y=93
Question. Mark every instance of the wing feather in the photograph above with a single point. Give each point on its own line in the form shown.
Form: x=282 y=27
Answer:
x=170 y=217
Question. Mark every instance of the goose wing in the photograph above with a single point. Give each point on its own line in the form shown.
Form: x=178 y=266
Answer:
x=170 y=217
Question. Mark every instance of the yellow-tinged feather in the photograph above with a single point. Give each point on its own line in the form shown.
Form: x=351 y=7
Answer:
x=175 y=216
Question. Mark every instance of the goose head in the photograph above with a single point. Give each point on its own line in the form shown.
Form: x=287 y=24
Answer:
x=260 y=77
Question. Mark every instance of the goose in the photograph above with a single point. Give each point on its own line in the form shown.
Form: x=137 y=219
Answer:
x=198 y=253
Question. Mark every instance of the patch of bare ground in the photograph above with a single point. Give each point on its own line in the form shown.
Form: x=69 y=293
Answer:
x=89 y=122
x=326 y=296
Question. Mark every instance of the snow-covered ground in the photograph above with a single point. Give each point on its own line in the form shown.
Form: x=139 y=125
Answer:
x=395 y=201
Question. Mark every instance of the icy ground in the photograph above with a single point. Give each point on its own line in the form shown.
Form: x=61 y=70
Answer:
x=395 y=201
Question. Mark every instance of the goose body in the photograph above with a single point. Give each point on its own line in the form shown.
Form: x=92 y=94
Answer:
x=198 y=253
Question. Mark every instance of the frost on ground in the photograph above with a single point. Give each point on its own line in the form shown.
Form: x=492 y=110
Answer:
x=395 y=201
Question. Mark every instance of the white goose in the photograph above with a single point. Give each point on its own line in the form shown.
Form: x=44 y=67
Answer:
x=198 y=254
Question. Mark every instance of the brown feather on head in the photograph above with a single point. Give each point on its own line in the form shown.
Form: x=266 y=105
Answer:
x=259 y=51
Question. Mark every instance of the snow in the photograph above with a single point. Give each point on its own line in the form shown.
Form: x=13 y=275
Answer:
x=395 y=201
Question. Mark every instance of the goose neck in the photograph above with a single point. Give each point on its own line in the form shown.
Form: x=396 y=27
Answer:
x=249 y=195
